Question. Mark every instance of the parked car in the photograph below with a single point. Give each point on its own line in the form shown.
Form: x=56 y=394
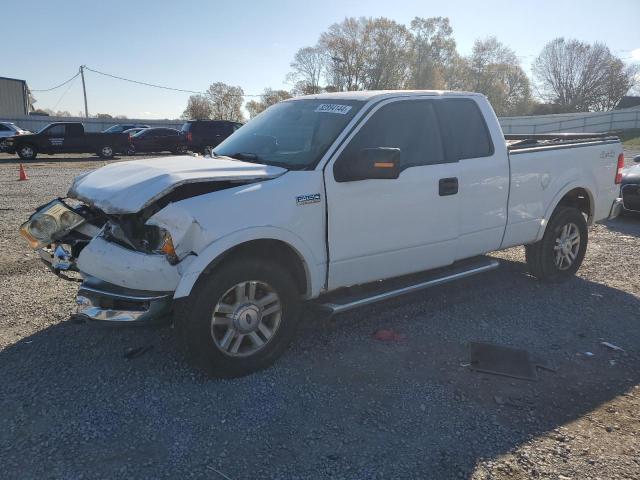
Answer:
x=630 y=187
x=66 y=137
x=157 y=140
x=9 y=129
x=392 y=192
x=132 y=131
x=121 y=127
x=203 y=135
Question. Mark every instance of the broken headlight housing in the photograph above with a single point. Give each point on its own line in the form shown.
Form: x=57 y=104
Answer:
x=50 y=223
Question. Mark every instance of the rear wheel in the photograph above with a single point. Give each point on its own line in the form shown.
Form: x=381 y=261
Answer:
x=559 y=254
x=27 y=152
x=240 y=318
x=106 y=151
x=179 y=150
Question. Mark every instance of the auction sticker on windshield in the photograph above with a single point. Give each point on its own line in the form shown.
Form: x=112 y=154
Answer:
x=333 y=108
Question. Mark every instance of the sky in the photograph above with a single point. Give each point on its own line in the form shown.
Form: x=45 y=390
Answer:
x=190 y=44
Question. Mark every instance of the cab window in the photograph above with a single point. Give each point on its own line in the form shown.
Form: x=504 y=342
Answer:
x=56 y=131
x=410 y=125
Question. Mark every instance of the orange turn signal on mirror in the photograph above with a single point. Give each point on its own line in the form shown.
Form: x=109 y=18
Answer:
x=384 y=165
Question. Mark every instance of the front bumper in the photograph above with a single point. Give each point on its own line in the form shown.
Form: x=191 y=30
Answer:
x=103 y=302
x=616 y=208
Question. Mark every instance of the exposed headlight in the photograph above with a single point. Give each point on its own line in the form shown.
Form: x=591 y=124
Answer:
x=49 y=223
x=43 y=227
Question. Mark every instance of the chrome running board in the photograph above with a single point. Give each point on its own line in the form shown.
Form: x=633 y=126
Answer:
x=334 y=303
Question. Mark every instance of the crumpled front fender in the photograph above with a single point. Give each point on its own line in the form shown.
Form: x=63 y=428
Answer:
x=127 y=268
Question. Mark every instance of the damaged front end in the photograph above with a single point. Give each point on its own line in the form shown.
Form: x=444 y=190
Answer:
x=63 y=229
x=125 y=231
x=59 y=231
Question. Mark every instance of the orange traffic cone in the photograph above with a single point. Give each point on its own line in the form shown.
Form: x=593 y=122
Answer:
x=23 y=174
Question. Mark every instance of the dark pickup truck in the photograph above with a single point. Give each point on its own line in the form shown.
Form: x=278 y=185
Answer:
x=67 y=137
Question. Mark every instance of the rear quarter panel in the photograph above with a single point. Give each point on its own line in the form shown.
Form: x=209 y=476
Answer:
x=541 y=177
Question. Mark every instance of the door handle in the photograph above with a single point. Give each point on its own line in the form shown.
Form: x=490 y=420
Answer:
x=448 y=186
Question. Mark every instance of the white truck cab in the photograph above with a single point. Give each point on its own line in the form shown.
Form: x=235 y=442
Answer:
x=389 y=191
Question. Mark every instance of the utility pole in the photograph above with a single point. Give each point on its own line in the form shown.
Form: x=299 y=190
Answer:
x=84 y=91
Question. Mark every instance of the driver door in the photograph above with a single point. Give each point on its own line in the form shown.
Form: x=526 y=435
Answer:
x=382 y=228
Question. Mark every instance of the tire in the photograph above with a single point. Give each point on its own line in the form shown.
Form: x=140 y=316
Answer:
x=558 y=256
x=106 y=151
x=179 y=150
x=221 y=322
x=27 y=151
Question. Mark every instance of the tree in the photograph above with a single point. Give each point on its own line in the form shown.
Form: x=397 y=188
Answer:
x=386 y=54
x=105 y=116
x=494 y=70
x=269 y=97
x=581 y=77
x=226 y=102
x=198 y=108
x=345 y=47
x=433 y=52
x=308 y=67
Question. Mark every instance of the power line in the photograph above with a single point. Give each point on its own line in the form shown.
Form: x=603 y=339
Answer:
x=57 y=86
x=65 y=92
x=161 y=86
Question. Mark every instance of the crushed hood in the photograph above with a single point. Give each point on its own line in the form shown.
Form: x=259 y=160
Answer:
x=128 y=187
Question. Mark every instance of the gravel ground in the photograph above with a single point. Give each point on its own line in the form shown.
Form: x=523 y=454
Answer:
x=339 y=404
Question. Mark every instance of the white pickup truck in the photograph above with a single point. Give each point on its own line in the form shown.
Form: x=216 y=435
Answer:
x=335 y=200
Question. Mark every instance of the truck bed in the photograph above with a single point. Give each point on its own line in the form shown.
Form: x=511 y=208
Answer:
x=546 y=167
x=526 y=141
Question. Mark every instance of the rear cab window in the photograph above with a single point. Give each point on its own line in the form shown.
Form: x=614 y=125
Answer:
x=464 y=130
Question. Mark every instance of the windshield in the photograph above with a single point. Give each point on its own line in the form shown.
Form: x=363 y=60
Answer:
x=293 y=135
x=114 y=129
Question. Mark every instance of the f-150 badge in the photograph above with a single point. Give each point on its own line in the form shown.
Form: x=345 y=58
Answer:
x=307 y=199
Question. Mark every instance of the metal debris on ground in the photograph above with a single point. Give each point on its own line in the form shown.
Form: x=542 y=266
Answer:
x=612 y=346
x=501 y=360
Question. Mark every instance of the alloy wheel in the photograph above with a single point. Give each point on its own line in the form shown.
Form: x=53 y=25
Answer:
x=567 y=246
x=246 y=318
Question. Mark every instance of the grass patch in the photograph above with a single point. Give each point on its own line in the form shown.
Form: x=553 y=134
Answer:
x=630 y=138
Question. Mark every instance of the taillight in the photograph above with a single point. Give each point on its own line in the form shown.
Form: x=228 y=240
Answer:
x=619 y=170
x=189 y=136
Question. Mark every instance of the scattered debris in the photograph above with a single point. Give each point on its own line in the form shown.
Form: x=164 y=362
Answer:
x=218 y=472
x=612 y=346
x=388 y=335
x=132 y=353
x=501 y=360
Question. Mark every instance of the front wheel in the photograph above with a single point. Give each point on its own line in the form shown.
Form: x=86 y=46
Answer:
x=27 y=152
x=106 y=151
x=559 y=254
x=240 y=318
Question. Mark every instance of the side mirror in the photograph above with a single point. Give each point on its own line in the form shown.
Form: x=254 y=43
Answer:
x=380 y=163
x=636 y=159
